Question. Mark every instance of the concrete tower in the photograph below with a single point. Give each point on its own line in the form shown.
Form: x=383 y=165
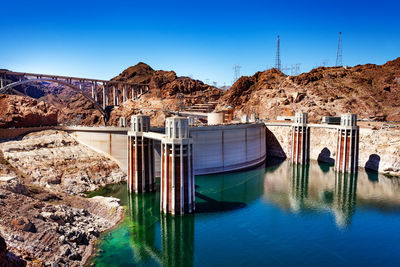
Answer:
x=347 y=144
x=140 y=156
x=177 y=178
x=300 y=139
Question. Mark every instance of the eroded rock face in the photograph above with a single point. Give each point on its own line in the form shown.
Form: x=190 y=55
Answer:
x=41 y=218
x=18 y=111
x=368 y=90
x=7 y=259
x=55 y=160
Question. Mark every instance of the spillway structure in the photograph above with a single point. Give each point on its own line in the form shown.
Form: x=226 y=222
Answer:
x=347 y=144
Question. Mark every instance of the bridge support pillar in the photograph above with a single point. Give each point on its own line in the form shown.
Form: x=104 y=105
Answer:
x=177 y=178
x=300 y=139
x=347 y=144
x=140 y=156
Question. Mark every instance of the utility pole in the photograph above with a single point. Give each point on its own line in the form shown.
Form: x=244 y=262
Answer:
x=339 y=58
x=278 y=56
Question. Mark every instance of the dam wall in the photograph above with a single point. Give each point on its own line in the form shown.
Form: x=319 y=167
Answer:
x=111 y=141
x=379 y=150
x=216 y=149
x=227 y=147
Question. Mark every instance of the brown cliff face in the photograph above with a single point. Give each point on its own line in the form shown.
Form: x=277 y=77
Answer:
x=19 y=111
x=165 y=81
x=164 y=89
x=368 y=90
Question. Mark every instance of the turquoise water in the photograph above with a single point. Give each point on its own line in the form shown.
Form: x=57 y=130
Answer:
x=277 y=215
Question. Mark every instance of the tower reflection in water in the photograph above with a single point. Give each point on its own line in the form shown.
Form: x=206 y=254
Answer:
x=343 y=204
x=298 y=192
x=344 y=197
x=177 y=233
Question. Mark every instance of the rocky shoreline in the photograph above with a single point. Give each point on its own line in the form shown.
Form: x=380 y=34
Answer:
x=45 y=218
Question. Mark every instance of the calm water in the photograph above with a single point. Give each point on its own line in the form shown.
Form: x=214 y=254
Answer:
x=278 y=215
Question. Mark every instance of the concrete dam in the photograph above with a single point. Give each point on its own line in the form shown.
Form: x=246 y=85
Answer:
x=215 y=148
x=179 y=151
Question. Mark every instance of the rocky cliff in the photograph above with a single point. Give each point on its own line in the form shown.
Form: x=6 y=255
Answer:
x=54 y=160
x=368 y=90
x=167 y=91
x=19 y=111
x=42 y=218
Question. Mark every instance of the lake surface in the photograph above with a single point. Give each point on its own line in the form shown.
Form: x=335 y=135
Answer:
x=277 y=215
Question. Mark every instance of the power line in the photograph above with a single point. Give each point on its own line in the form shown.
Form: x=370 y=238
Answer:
x=339 y=57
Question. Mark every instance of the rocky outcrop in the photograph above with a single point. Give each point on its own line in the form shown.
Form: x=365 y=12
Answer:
x=8 y=259
x=55 y=160
x=42 y=219
x=54 y=230
x=19 y=111
x=368 y=90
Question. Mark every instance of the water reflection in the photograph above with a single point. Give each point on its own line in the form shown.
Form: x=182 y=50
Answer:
x=177 y=240
x=298 y=186
x=317 y=187
x=345 y=195
x=143 y=218
x=177 y=233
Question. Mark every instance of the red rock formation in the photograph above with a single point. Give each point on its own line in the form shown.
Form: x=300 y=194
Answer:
x=18 y=111
x=369 y=90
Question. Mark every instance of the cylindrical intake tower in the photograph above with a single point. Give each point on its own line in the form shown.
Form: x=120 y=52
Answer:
x=177 y=178
x=300 y=139
x=347 y=144
x=140 y=156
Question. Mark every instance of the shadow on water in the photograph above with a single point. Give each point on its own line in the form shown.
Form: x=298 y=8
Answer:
x=372 y=167
x=212 y=205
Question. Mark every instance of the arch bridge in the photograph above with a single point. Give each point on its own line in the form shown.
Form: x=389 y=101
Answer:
x=101 y=93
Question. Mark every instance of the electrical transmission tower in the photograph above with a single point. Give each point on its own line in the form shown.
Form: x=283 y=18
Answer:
x=236 y=72
x=339 y=58
x=278 y=56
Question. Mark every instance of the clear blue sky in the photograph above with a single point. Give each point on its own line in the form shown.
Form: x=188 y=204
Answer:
x=203 y=39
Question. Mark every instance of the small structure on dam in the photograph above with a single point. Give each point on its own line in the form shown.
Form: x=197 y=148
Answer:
x=347 y=144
